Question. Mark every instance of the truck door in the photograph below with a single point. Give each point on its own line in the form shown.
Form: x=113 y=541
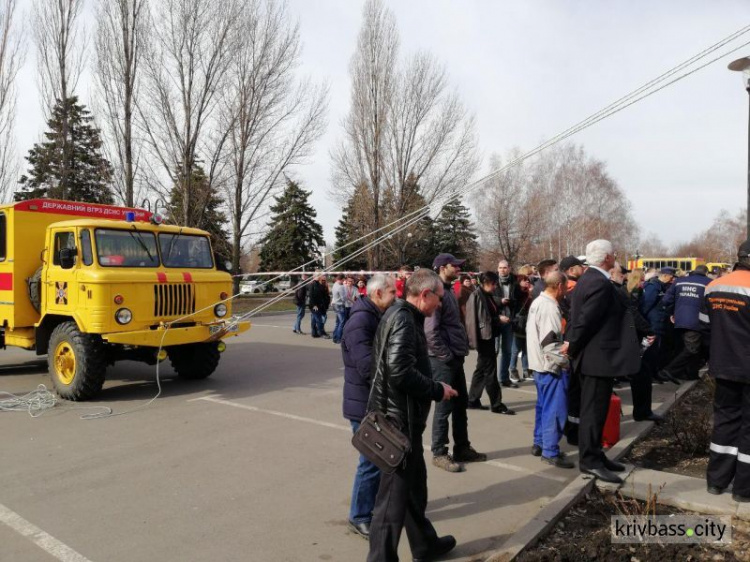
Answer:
x=61 y=293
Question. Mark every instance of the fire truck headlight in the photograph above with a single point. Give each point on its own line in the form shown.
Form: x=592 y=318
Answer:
x=123 y=316
x=220 y=310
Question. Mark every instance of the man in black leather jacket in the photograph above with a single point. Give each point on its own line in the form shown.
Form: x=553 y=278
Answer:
x=403 y=388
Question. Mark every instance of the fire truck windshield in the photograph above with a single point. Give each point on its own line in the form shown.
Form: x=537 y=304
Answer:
x=120 y=248
x=185 y=250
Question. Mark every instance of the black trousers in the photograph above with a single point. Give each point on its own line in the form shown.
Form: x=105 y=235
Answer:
x=401 y=502
x=641 y=385
x=452 y=373
x=688 y=361
x=595 y=396
x=729 y=456
x=574 y=408
x=485 y=374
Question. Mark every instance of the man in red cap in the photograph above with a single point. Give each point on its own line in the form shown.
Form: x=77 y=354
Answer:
x=448 y=346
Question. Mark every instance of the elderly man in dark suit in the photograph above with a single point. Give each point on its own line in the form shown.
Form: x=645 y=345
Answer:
x=603 y=345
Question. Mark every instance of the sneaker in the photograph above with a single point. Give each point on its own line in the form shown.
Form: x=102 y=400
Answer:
x=468 y=454
x=527 y=375
x=536 y=450
x=447 y=463
x=326 y=337
x=559 y=461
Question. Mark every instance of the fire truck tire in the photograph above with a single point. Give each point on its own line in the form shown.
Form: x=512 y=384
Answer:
x=196 y=360
x=77 y=362
x=35 y=289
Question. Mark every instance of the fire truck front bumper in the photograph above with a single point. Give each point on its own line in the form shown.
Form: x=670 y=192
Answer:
x=164 y=336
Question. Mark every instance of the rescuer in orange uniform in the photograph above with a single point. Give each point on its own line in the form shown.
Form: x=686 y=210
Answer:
x=726 y=308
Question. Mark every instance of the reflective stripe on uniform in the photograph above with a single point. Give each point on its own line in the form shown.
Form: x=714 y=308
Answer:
x=703 y=317
x=732 y=289
x=742 y=457
x=573 y=419
x=724 y=449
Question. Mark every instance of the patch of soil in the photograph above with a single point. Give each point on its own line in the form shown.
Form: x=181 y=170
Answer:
x=680 y=444
x=584 y=535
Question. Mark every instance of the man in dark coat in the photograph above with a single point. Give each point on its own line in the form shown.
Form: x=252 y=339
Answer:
x=356 y=349
x=319 y=301
x=403 y=388
x=602 y=344
x=300 y=301
x=448 y=346
x=683 y=301
x=650 y=306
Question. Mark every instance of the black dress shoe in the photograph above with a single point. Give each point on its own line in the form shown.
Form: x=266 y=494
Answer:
x=362 y=529
x=715 y=490
x=656 y=418
x=613 y=466
x=509 y=384
x=476 y=405
x=602 y=474
x=536 y=450
x=442 y=546
x=503 y=409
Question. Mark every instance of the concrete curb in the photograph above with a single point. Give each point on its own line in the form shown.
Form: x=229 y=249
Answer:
x=528 y=535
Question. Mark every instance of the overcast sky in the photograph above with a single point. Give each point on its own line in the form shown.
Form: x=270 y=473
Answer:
x=529 y=69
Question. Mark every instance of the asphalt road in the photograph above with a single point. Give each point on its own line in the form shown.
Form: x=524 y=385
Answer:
x=252 y=464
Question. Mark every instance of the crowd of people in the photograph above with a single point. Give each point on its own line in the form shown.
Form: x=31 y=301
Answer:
x=578 y=328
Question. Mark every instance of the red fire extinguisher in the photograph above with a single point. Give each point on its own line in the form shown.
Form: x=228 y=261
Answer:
x=611 y=433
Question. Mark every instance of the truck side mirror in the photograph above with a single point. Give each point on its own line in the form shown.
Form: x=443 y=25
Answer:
x=68 y=257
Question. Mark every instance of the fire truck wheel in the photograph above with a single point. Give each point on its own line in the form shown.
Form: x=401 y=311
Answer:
x=196 y=360
x=76 y=362
x=35 y=289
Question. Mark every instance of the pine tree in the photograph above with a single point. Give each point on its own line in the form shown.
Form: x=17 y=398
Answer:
x=295 y=235
x=69 y=164
x=350 y=228
x=205 y=212
x=454 y=233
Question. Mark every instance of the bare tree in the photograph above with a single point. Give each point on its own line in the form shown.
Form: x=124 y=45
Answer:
x=361 y=157
x=272 y=118
x=404 y=130
x=185 y=71
x=552 y=206
x=60 y=46
x=11 y=60
x=120 y=39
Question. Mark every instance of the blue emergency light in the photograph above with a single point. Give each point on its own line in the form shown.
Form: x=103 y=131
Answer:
x=130 y=216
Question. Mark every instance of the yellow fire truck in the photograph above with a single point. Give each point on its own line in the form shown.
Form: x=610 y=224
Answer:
x=92 y=284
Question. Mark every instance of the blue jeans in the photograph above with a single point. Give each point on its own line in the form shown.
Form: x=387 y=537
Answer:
x=519 y=346
x=551 y=411
x=504 y=346
x=365 y=489
x=342 y=315
x=317 y=323
x=300 y=316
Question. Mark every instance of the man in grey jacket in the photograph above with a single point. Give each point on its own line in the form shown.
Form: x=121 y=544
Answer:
x=548 y=360
x=448 y=346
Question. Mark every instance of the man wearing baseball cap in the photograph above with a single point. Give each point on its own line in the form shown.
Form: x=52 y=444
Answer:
x=448 y=346
x=726 y=310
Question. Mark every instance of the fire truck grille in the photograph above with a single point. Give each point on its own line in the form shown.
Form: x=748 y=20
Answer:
x=173 y=299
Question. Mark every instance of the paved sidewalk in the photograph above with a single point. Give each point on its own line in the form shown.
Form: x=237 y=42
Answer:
x=681 y=491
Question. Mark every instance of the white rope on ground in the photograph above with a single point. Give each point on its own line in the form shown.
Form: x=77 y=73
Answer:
x=407 y=220
x=34 y=402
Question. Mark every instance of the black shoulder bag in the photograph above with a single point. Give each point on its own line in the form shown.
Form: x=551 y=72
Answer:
x=378 y=438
